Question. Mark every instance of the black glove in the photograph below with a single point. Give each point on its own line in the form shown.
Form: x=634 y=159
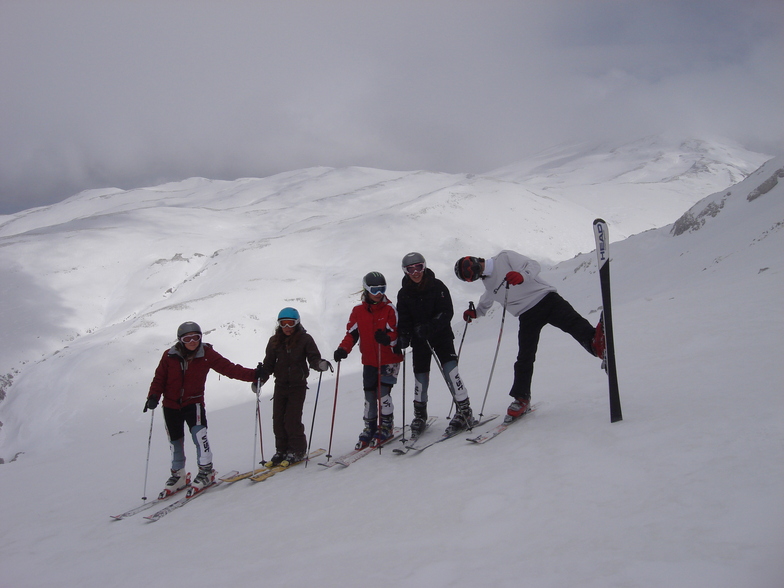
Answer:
x=324 y=365
x=403 y=341
x=261 y=373
x=423 y=331
x=383 y=337
x=150 y=404
x=340 y=354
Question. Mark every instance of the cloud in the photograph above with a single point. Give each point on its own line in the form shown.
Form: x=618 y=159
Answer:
x=132 y=93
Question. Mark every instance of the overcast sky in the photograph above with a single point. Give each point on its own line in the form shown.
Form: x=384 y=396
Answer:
x=125 y=94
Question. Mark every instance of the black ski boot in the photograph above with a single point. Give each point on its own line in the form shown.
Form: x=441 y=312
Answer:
x=384 y=432
x=366 y=436
x=463 y=419
x=419 y=422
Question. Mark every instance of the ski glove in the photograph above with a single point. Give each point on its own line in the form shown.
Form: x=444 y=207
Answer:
x=514 y=278
x=340 y=354
x=150 y=404
x=383 y=337
x=261 y=373
x=469 y=315
x=324 y=365
x=403 y=341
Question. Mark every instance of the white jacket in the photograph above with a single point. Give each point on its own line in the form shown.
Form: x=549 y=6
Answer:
x=521 y=297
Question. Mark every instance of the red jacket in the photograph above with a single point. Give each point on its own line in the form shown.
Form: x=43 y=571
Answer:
x=181 y=382
x=362 y=325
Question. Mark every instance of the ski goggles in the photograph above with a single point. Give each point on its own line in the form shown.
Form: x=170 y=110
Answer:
x=376 y=290
x=288 y=322
x=414 y=268
x=191 y=338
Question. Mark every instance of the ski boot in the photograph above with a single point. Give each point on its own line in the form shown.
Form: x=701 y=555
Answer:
x=517 y=409
x=599 y=343
x=463 y=419
x=366 y=436
x=205 y=477
x=419 y=422
x=275 y=460
x=292 y=457
x=178 y=480
x=384 y=432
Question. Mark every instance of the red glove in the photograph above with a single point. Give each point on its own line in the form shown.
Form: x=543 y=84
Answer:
x=514 y=278
x=469 y=314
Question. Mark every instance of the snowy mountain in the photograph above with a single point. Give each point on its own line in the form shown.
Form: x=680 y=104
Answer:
x=686 y=491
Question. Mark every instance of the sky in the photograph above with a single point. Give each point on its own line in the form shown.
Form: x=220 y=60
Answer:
x=127 y=94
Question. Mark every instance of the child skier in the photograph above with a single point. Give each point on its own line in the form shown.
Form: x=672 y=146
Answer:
x=179 y=379
x=373 y=324
x=289 y=352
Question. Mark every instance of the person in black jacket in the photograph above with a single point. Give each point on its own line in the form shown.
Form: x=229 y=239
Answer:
x=425 y=313
x=289 y=353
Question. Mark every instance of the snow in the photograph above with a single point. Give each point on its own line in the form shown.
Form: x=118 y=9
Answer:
x=687 y=490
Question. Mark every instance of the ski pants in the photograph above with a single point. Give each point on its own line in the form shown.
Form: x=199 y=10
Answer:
x=551 y=310
x=379 y=396
x=445 y=353
x=287 y=403
x=196 y=418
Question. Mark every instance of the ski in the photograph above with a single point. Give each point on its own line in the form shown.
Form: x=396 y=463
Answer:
x=602 y=236
x=494 y=432
x=274 y=470
x=230 y=479
x=446 y=436
x=149 y=504
x=413 y=438
x=355 y=454
x=190 y=495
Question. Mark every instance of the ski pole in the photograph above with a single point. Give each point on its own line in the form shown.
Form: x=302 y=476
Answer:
x=313 y=421
x=378 y=394
x=460 y=349
x=403 y=440
x=443 y=374
x=256 y=426
x=147 y=467
x=497 y=347
x=334 y=408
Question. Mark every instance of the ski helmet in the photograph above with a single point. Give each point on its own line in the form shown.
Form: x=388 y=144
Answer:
x=374 y=283
x=469 y=268
x=414 y=258
x=189 y=327
x=289 y=313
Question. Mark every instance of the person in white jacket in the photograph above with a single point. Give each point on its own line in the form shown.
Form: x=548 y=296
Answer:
x=535 y=302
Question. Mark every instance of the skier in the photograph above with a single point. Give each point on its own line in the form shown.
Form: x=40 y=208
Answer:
x=289 y=352
x=179 y=379
x=374 y=324
x=536 y=303
x=425 y=309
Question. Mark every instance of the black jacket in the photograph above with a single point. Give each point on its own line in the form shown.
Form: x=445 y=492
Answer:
x=427 y=305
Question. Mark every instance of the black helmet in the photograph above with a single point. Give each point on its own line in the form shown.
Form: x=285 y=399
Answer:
x=189 y=327
x=469 y=268
x=374 y=283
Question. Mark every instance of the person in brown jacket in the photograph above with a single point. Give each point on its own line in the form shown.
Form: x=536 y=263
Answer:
x=180 y=378
x=289 y=352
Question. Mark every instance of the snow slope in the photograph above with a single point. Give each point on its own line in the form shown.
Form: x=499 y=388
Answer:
x=685 y=491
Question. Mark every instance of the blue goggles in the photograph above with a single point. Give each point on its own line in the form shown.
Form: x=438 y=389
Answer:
x=376 y=290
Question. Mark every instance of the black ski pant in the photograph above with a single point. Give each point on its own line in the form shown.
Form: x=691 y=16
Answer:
x=287 y=404
x=550 y=310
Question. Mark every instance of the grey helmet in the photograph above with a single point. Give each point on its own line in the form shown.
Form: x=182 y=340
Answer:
x=189 y=327
x=374 y=283
x=412 y=258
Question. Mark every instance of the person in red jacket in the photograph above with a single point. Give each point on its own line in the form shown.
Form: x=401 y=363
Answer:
x=179 y=379
x=373 y=324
